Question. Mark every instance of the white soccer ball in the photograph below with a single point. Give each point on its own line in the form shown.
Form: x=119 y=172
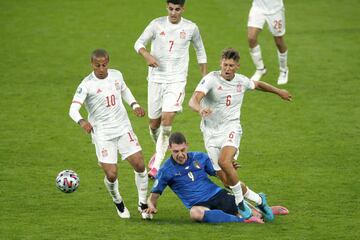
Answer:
x=67 y=181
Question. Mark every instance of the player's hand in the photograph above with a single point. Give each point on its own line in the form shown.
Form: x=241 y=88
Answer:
x=85 y=125
x=204 y=112
x=151 y=61
x=151 y=210
x=285 y=95
x=139 y=112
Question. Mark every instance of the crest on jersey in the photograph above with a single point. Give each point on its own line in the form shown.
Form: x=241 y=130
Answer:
x=162 y=34
x=98 y=90
x=220 y=88
x=117 y=84
x=197 y=164
x=239 y=88
x=182 y=34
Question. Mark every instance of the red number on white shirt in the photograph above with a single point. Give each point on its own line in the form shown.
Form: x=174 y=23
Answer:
x=171 y=45
x=110 y=100
x=178 y=98
x=131 y=138
x=228 y=100
x=231 y=135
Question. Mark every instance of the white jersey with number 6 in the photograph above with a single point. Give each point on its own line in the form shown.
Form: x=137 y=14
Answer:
x=170 y=47
x=103 y=101
x=224 y=98
x=268 y=6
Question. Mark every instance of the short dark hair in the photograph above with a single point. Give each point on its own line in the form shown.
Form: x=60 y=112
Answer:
x=177 y=2
x=230 y=53
x=177 y=138
x=97 y=53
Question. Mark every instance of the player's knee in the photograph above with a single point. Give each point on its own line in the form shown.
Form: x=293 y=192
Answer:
x=223 y=162
x=196 y=214
x=137 y=163
x=111 y=176
x=252 y=40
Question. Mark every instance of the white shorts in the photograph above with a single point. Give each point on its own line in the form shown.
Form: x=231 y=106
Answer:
x=165 y=97
x=276 y=21
x=215 y=143
x=127 y=145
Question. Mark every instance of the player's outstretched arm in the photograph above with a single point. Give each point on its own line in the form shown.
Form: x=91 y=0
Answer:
x=284 y=94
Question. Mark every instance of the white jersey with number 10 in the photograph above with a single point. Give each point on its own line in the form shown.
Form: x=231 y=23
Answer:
x=103 y=101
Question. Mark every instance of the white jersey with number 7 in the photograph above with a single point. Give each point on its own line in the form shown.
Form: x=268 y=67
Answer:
x=170 y=47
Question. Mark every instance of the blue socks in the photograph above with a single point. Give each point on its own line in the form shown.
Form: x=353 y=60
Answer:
x=218 y=216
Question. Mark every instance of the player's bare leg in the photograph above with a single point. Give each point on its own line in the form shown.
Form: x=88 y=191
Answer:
x=225 y=162
x=112 y=185
x=255 y=53
x=154 y=129
x=282 y=55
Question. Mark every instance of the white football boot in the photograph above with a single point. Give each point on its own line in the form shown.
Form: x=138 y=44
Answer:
x=122 y=211
x=283 y=77
x=258 y=74
x=144 y=215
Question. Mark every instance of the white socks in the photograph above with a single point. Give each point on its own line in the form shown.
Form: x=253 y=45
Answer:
x=255 y=54
x=283 y=61
x=162 y=145
x=236 y=189
x=141 y=181
x=252 y=196
x=154 y=134
x=113 y=189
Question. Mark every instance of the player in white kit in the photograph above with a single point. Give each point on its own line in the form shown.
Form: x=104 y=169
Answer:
x=273 y=13
x=218 y=99
x=102 y=93
x=168 y=62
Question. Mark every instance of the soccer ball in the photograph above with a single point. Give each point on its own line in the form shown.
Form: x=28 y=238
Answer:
x=67 y=181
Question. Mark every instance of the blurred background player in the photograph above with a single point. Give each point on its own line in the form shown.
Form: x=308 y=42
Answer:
x=168 y=62
x=273 y=13
x=186 y=173
x=102 y=92
x=218 y=99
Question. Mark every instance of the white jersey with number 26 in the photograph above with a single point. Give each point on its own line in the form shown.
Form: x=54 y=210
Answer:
x=103 y=101
x=224 y=98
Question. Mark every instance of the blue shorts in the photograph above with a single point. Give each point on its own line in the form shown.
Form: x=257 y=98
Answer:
x=223 y=200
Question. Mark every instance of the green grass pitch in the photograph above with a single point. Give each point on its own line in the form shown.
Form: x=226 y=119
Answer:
x=304 y=154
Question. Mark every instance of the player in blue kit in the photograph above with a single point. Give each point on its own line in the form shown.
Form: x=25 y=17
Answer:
x=186 y=173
